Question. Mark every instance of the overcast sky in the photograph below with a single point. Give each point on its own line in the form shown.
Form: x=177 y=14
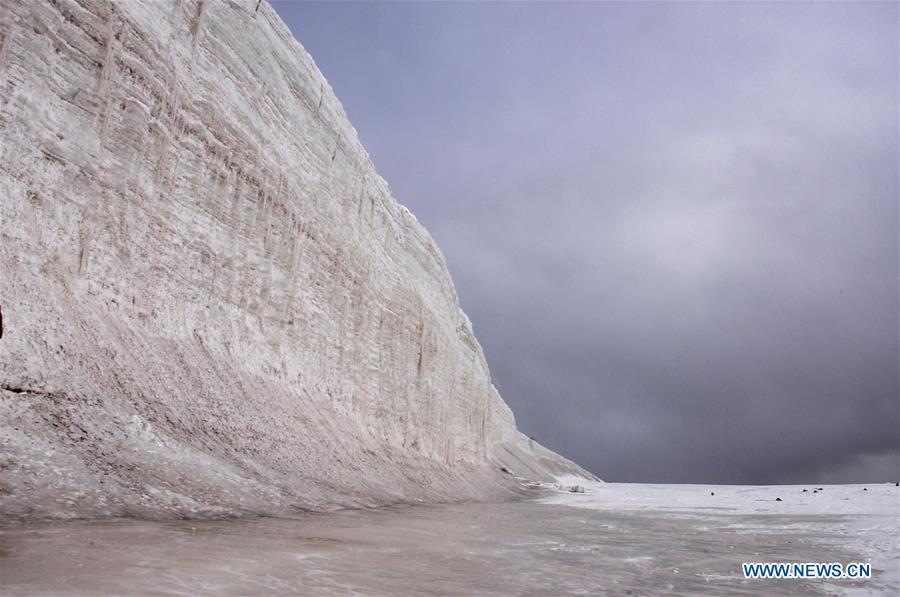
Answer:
x=674 y=226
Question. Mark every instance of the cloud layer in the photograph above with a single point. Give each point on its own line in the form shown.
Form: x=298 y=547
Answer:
x=674 y=226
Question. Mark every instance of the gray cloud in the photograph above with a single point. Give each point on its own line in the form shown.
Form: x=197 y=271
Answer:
x=674 y=226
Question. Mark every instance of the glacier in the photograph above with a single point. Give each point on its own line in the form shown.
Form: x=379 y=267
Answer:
x=212 y=304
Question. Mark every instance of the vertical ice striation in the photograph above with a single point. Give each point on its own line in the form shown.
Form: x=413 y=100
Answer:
x=212 y=305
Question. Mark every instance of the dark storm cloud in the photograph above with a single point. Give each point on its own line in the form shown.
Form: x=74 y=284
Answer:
x=674 y=226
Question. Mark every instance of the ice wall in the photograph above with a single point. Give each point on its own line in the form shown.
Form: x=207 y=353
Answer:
x=211 y=302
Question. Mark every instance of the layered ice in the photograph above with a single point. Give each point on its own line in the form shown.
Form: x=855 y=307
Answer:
x=212 y=305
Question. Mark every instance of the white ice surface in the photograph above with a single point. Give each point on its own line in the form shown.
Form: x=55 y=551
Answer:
x=864 y=518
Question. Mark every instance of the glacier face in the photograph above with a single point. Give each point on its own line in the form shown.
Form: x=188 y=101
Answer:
x=212 y=305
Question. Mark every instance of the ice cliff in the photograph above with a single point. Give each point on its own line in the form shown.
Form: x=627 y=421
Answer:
x=211 y=303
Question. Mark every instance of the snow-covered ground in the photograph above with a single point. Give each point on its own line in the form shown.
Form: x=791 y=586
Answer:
x=862 y=518
x=620 y=539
